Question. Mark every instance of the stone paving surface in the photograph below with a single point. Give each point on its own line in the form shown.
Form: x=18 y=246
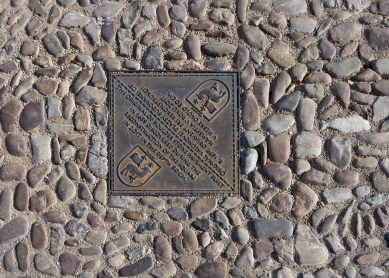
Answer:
x=315 y=92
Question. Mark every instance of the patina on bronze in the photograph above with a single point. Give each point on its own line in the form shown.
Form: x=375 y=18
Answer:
x=174 y=132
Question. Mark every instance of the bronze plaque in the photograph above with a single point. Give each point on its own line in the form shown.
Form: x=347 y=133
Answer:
x=174 y=132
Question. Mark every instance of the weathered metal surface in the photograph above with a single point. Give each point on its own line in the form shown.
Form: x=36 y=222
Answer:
x=174 y=132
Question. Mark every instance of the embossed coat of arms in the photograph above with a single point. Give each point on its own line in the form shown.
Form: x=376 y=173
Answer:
x=137 y=167
x=209 y=98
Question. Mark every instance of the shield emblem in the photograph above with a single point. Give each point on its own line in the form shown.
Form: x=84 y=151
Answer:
x=209 y=98
x=137 y=167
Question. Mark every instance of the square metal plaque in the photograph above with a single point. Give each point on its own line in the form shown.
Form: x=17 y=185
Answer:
x=174 y=132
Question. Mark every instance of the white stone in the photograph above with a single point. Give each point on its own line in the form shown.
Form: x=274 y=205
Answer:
x=41 y=150
x=290 y=6
x=337 y=195
x=351 y=123
x=380 y=109
x=302 y=24
x=371 y=271
x=108 y=9
x=384 y=164
x=309 y=250
x=307 y=145
x=357 y=6
x=277 y=123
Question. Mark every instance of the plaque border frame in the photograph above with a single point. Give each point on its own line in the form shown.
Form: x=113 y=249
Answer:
x=167 y=192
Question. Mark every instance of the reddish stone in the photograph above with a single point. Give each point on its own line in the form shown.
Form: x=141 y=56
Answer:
x=282 y=203
x=14 y=229
x=202 y=206
x=236 y=216
x=214 y=269
x=95 y=221
x=279 y=147
x=189 y=241
x=69 y=263
x=9 y=114
x=43 y=200
x=32 y=116
x=39 y=238
x=172 y=228
x=162 y=249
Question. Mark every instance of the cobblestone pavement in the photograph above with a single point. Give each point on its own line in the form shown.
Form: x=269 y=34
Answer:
x=315 y=101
